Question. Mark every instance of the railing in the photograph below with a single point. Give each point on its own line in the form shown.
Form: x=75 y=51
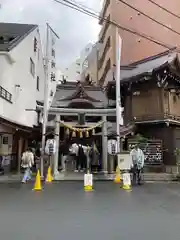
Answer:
x=106 y=69
x=156 y=116
x=5 y=94
x=106 y=48
x=104 y=30
x=153 y=152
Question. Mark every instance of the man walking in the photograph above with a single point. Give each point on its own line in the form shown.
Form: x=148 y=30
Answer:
x=27 y=163
x=137 y=156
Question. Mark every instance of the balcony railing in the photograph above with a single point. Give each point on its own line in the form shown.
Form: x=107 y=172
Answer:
x=107 y=46
x=5 y=94
x=104 y=30
x=106 y=69
x=156 y=117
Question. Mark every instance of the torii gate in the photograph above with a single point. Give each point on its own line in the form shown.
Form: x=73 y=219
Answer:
x=88 y=112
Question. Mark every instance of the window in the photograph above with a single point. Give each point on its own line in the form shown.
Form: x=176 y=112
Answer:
x=53 y=53
x=6 y=39
x=53 y=77
x=5 y=140
x=32 y=67
x=5 y=94
x=37 y=83
x=35 y=45
x=51 y=93
x=53 y=64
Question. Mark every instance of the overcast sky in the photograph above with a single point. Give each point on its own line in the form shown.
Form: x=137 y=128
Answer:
x=74 y=29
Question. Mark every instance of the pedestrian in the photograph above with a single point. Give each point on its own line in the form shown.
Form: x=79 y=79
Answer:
x=65 y=154
x=27 y=163
x=94 y=156
x=137 y=156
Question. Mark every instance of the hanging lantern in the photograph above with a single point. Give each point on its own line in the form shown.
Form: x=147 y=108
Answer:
x=74 y=134
x=93 y=132
x=81 y=134
x=67 y=131
x=87 y=134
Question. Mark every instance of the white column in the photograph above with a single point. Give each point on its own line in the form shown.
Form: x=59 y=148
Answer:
x=104 y=145
x=56 y=173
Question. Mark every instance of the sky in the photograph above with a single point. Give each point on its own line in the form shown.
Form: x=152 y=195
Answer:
x=75 y=29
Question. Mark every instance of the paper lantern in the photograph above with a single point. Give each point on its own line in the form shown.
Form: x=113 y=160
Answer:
x=67 y=131
x=81 y=134
x=87 y=134
x=93 y=132
x=74 y=134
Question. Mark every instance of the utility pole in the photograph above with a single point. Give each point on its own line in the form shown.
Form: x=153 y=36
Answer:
x=46 y=95
x=118 y=91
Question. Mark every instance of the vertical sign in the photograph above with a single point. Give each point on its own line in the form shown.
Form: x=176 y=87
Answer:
x=118 y=91
x=51 y=64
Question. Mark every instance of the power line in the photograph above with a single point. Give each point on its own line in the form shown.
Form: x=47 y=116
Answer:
x=84 y=6
x=147 y=16
x=77 y=8
x=133 y=31
x=165 y=9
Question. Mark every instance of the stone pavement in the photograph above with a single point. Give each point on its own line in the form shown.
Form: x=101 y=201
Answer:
x=148 y=177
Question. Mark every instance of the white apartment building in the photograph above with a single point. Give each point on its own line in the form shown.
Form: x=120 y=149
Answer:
x=74 y=71
x=21 y=73
x=21 y=85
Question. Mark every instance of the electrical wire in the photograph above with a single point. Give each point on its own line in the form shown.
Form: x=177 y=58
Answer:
x=163 y=8
x=84 y=6
x=147 y=16
x=74 y=6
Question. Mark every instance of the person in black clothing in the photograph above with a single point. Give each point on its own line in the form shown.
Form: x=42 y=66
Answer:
x=65 y=152
x=81 y=159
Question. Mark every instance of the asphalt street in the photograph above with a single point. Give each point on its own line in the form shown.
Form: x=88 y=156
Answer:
x=64 y=211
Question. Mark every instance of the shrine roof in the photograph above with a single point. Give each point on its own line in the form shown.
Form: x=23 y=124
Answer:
x=124 y=130
x=69 y=92
x=148 y=66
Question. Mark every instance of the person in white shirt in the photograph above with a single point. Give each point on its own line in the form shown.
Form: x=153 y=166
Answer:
x=27 y=163
x=137 y=156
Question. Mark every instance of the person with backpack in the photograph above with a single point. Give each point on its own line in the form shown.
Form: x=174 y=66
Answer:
x=27 y=163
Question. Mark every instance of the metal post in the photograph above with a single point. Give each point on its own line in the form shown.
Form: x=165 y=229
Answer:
x=45 y=108
x=56 y=156
x=118 y=91
x=104 y=144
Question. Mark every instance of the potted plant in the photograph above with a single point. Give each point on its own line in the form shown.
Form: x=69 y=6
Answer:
x=142 y=141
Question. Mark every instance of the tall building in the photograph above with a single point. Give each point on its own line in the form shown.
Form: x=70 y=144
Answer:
x=74 y=71
x=135 y=48
x=90 y=65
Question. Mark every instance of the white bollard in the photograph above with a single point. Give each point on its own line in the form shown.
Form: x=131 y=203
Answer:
x=88 y=182
x=126 y=181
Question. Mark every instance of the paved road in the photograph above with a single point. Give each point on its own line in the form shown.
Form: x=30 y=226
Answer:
x=63 y=211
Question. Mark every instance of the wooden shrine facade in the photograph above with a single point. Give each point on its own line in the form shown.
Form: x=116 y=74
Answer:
x=150 y=95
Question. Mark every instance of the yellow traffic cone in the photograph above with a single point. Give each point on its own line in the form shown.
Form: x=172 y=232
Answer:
x=49 y=175
x=117 y=178
x=37 y=185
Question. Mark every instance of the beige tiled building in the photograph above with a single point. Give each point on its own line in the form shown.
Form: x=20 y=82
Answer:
x=135 y=48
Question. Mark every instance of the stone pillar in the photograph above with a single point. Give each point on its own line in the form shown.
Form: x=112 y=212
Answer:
x=56 y=173
x=20 y=145
x=104 y=145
